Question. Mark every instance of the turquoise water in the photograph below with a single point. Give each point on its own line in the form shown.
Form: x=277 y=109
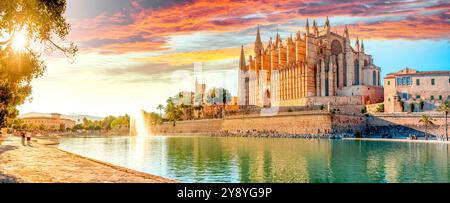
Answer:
x=220 y=159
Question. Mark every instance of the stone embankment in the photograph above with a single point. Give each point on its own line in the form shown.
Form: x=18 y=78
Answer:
x=309 y=124
x=39 y=163
x=275 y=134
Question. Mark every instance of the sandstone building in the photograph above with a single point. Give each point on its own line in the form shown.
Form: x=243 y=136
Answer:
x=308 y=66
x=409 y=86
x=53 y=122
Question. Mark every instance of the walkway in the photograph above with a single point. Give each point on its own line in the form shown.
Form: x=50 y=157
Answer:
x=47 y=164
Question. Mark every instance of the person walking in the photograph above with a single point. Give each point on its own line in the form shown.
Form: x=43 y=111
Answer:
x=28 y=135
x=22 y=133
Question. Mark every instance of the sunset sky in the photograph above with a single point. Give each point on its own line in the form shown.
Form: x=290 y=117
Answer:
x=135 y=54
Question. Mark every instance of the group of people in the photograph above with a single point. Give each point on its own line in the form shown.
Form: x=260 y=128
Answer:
x=26 y=138
x=412 y=137
x=274 y=133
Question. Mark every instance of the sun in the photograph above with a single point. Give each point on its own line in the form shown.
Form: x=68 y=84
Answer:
x=20 y=41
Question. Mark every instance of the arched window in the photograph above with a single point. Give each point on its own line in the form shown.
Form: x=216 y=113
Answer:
x=336 y=47
x=356 y=72
x=374 y=78
x=378 y=81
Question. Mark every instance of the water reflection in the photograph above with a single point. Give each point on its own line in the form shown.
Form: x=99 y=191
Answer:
x=210 y=159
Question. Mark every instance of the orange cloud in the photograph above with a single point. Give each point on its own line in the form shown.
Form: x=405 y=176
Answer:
x=183 y=58
x=420 y=27
x=150 y=28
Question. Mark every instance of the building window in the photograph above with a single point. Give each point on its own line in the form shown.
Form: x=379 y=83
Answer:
x=374 y=78
x=404 y=95
x=417 y=82
x=417 y=96
x=432 y=81
x=431 y=97
x=389 y=82
x=440 y=97
x=408 y=80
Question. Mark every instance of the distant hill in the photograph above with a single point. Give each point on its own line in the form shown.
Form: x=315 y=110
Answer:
x=76 y=117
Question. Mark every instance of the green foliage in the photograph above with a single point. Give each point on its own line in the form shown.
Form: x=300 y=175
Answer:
x=77 y=127
x=427 y=121
x=42 y=127
x=153 y=118
x=42 y=21
x=106 y=123
x=91 y=125
x=160 y=107
x=121 y=122
x=19 y=124
x=218 y=96
x=172 y=111
x=380 y=108
x=444 y=107
x=364 y=110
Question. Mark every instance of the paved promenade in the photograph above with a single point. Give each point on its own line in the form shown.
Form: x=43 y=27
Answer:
x=46 y=164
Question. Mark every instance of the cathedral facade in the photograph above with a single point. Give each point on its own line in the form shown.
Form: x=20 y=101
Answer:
x=317 y=63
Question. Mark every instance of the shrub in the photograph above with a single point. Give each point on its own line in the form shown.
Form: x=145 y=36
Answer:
x=380 y=108
x=364 y=110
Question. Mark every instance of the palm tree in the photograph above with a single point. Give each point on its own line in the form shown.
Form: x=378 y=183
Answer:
x=160 y=107
x=445 y=107
x=213 y=96
x=427 y=121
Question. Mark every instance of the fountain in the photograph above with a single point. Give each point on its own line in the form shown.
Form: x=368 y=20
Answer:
x=138 y=124
x=141 y=131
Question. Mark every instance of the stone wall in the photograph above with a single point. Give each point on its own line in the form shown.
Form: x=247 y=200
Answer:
x=309 y=122
x=195 y=126
x=348 y=123
x=314 y=122
x=404 y=124
x=317 y=101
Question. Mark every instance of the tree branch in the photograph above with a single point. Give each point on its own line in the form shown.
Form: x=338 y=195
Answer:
x=70 y=50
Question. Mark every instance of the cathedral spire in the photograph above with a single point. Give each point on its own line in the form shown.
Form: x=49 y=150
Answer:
x=315 y=28
x=357 y=44
x=307 y=26
x=362 y=45
x=346 y=32
x=258 y=43
x=277 y=40
x=242 y=59
x=327 y=22
x=270 y=44
x=327 y=25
